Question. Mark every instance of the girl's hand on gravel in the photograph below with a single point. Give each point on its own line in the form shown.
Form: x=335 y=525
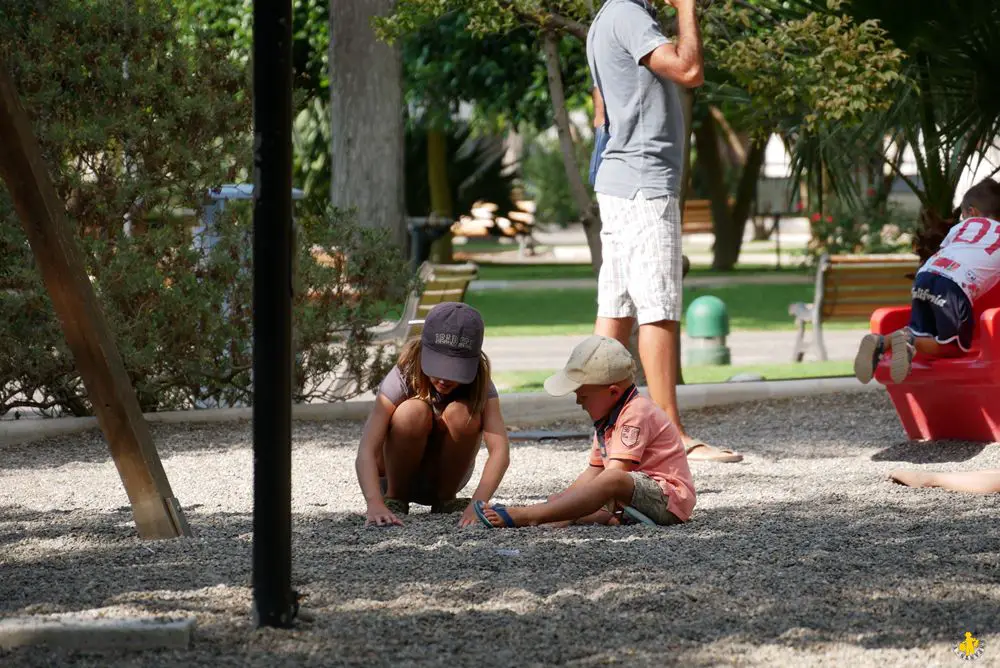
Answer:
x=468 y=517
x=381 y=516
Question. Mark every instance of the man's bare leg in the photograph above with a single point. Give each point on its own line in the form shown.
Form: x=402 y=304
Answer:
x=969 y=482
x=658 y=350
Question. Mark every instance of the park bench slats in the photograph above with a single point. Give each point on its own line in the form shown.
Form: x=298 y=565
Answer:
x=852 y=287
x=439 y=283
x=697 y=217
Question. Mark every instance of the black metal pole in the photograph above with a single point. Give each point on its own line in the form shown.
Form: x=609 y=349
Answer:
x=274 y=601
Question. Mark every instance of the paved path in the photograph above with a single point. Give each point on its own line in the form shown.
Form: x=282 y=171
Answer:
x=529 y=353
x=690 y=282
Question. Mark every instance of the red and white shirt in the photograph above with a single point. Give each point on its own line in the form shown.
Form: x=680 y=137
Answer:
x=969 y=256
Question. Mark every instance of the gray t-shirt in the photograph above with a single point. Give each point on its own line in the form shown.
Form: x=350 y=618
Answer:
x=396 y=390
x=645 y=152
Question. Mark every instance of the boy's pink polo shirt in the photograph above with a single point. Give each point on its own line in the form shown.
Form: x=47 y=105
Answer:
x=643 y=434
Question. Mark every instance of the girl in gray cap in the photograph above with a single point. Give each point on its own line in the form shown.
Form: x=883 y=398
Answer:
x=421 y=438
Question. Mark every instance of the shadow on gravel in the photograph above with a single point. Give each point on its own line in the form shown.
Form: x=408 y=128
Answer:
x=782 y=574
x=930 y=452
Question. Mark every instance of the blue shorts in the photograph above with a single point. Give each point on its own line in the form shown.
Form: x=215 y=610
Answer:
x=941 y=310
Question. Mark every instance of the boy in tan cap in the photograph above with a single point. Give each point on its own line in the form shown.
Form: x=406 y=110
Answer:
x=638 y=469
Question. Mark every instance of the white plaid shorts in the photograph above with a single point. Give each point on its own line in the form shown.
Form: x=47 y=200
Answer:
x=641 y=271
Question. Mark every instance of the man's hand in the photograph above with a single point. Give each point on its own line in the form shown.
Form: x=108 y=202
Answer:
x=469 y=517
x=379 y=515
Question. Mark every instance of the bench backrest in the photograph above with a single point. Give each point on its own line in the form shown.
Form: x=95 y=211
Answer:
x=697 y=216
x=852 y=286
x=698 y=209
x=441 y=283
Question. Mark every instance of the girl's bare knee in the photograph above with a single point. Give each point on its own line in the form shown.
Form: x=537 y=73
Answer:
x=413 y=417
x=459 y=418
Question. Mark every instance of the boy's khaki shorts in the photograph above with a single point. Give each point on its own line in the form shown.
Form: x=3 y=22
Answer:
x=648 y=498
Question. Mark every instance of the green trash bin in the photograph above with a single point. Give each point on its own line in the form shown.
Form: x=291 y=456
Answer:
x=707 y=323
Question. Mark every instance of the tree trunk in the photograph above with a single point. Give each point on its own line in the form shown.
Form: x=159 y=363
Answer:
x=588 y=212
x=440 y=189
x=366 y=118
x=728 y=223
x=710 y=161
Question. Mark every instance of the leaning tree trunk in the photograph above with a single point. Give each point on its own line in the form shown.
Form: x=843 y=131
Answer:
x=366 y=118
x=588 y=212
x=727 y=223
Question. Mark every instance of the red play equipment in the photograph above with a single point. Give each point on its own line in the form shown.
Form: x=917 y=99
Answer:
x=955 y=398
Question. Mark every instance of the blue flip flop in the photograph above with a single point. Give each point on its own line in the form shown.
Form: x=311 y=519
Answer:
x=499 y=509
x=637 y=517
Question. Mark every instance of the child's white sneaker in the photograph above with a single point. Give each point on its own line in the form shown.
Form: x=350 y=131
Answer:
x=869 y=352
x=902 y=356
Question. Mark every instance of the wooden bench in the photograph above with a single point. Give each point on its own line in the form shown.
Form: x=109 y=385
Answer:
x=850 y=287
x=438 y=283
x=517 y=225
x=697 y=217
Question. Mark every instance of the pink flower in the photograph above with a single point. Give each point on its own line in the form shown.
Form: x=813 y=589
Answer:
x=815 y=218
x=829 y=219
x=870 y=192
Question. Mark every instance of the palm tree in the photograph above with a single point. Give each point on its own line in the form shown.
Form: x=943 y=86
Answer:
x=945 y=108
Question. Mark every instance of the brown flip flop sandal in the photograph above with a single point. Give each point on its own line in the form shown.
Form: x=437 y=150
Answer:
x=724 y=455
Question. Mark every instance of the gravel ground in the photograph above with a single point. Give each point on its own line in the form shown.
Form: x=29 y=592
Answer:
x=801 y=555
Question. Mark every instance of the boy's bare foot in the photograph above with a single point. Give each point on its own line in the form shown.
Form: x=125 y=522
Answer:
x=911 y=478
x=497 y=516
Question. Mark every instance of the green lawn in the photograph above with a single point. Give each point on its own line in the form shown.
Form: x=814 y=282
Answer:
x=526 y=272
x=531 y=381
x=572 y=311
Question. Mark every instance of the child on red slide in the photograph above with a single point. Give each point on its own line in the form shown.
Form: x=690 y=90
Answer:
x=945 y=288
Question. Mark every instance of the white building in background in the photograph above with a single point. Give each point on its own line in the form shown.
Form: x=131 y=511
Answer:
x=777 y=169
x=777 y=161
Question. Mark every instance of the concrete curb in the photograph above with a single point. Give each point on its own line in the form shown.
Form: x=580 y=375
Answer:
x=93 y=634
x=521 y=409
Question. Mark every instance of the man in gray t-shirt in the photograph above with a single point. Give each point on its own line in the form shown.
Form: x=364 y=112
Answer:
x=638 y=72
x=645 y=151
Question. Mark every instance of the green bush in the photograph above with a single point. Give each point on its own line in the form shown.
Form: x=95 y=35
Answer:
x=182 y=316
x=136 y=120
x=132 y=120
x=868 y=229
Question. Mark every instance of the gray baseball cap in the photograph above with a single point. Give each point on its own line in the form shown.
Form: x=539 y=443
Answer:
x=452 y=342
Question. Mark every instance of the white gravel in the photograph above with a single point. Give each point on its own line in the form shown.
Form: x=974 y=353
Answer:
x=802 y=555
